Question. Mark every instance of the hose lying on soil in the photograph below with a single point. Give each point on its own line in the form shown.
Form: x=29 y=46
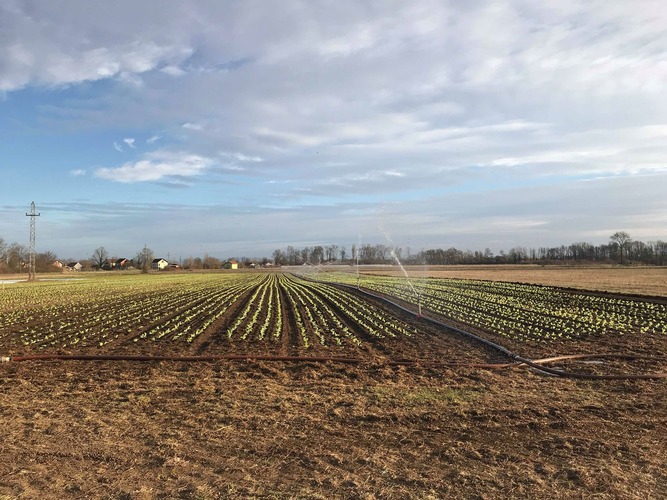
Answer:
x=535 y=363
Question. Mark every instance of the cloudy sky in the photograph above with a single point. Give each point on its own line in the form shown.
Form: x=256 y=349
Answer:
x=238 y=127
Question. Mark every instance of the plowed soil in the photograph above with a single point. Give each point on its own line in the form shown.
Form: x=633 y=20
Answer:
x=265 y=430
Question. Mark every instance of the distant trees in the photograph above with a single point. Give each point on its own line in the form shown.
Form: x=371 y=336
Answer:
x=279 y=257
x=15 y=256
x=621 y=249
x=621 y=240
x=211 y=262
x=44 y=262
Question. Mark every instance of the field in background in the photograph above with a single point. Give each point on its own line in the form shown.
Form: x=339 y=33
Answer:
x=627 y=280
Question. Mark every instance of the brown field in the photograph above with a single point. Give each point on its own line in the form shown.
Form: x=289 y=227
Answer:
x=650 y=281
x=259 y=430
x=244 y=429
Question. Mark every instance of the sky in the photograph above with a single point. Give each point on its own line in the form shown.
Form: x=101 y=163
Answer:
x=234 y=128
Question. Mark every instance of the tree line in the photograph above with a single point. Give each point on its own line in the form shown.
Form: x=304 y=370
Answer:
x=621 y=249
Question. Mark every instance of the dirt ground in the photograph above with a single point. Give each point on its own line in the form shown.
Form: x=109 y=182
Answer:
x=262 y=430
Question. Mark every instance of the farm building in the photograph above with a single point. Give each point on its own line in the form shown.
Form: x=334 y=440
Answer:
x=121 y=264
x=74 y=266
x=230 y=264
x=159 y=264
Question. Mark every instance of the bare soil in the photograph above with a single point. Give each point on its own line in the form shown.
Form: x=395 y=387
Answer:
x=243 y=429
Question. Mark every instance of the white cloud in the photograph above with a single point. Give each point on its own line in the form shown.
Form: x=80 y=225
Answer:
x=156 y=166
x=193 y=126
x=117 y=147
x=243 y=158
x=153 y=139
x=77 y=172
x=130 y=142
x=173 y=71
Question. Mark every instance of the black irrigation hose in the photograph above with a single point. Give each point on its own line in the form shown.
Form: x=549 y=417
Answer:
x=537 y=363
x=130 y=357
x=519 y=359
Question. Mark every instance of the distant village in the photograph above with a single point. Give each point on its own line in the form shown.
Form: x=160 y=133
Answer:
x=15 y=258
x=158 y=264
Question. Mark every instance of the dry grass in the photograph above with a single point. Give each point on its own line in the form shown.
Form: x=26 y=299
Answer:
x=627 y=280
x=173 y=430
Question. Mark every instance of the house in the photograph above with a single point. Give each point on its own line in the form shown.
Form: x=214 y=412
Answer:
x=57 y=264
x=159 y=264
x=121 y=264
x=74 y=266
x=230 y=264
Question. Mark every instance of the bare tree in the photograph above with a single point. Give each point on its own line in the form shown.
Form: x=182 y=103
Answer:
x=331 y=252
x=44 y=262
x=279 y=257
x=622 y=240
x=317 y=254
x=15 y=255
x=100 y=257
x=144 y=259
x=211 y=262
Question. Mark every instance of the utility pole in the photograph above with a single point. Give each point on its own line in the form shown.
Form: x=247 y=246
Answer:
x=31 y=268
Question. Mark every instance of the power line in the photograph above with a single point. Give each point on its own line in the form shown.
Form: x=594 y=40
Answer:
x=32 y=215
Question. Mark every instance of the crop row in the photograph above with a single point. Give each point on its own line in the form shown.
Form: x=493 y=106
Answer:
x=235 y=307
x=320 y=313
x=520 y=311
x=97 y=312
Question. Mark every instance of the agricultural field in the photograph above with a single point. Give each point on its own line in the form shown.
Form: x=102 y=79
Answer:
x=316 y=313
x=650 y=281
x=376 y=428
x=528 y=317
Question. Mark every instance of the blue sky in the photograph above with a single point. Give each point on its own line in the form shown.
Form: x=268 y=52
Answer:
x=236 y=128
